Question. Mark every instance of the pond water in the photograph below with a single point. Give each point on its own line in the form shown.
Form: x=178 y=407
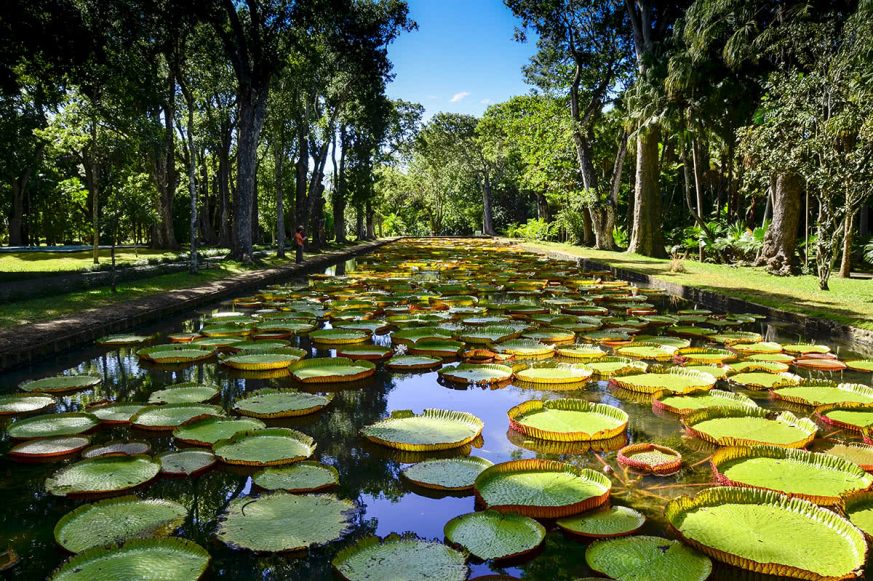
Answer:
x=369 y=473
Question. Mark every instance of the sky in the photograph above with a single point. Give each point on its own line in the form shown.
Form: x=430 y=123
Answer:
x=461 y=59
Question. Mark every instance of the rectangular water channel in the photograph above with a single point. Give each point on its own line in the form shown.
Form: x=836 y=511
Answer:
x=370 y=474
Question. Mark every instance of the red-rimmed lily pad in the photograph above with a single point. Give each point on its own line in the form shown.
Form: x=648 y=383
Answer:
x=476 y=374
x=46 y=449
x=118 y=448
x=850 y=416
x=823 y=393
x=677 y=380
x=413 y=363
x=116 y=413
x=554 y=374
x=750 y=427
x=19 y=404
x=653 y=458
x=331 y=370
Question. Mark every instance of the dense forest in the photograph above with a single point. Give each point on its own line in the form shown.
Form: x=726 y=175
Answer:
x=720 y=130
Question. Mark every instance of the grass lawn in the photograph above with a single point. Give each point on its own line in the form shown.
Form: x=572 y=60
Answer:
x=55 y=306
x=21 y=262
x=850 y=301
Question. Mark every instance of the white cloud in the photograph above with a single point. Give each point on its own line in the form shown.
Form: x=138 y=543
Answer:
x=458 y=97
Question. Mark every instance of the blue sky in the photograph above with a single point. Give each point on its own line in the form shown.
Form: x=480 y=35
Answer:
x=462 y=57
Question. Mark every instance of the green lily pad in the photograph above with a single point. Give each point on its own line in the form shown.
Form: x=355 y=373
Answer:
x=677 y=380
x=567 y=420
x=851 y=416
x=454 y=474
x=816 y=395
x=16 y=404
x=717 y=371
x=526 y=348
x=413 y=362
x=280 y=521
x=363 y=351
x=121 y=340
x=477 y=374
x=259 y=361
x=265 y=447
x=862 y=365
x=860 y=454
x=433 y=429
x=706 y=355
x=172 y=558
x=611 y=366
x=186 y=462
x=644 y=558
x=102 y=474
x=116 y=520
x=436 y=348
x=415 y=334
x=768 y=366
x=400 y=557
x=125 y=448
x=52 y=425
x=48 y=448
x=210 y=430
x=170 y=416
x=541 y=488
x=581 y=352
x=331 y=370
x=60 y=383
x=859 y=509
x=484 y=335
x=495 y=535
x=116 y=413
x=819 y=478
x=614 y=521
x=764 y=380
x=769 y=533
x=300 y=477
x=184 y=393
x=771 y=357
x=805 y=348
x=699 y=400
x=647 y=351
x=339 y=336
x=281 y=403
x=555 y=374
x=750 y=427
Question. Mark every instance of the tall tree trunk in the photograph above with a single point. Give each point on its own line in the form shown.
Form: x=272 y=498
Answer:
x=371 y=221
x=338 y=195
x=224 y=224
x=252 y=112
x=780 y=241
x=647 y=236
x=848 y=236
x=278 y=158
x=542 y=207
x=16 y=220
x=206 y=202
x=359 y=222
x=314 y=201
x=487 y=218
x=302 y=170
x=166 y=176
x=587 y=230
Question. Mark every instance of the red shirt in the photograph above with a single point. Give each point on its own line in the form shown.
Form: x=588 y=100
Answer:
x=299 y=239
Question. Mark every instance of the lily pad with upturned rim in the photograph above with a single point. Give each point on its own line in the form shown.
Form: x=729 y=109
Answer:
x=281 y=403
x=433 y=429
x=859 y=509
x=750 y=427
x=541 y=488
x=855 y=452
x=281 y=522
x=116 y=520
x=476 y=374
x=646 y=351
x=607 y=367
x=187 y=462
x=583 y=351
x=366 y=352
x=331 y=370
x=437 y=348
x=677 y=380
x=116 y=413
x=413 y=363
x=452 y=474
x=52 y=425
x=17 y=404
x=686 y=403
x=705 y=355
x=645 y=558
x=849 y=416
x=825 y=393
x=339 y=336
x=184 y=393
x=526 y=349
x=170 y=416
x=757 y=380
x=171 y=558
x=60 y=383
x=117 y=448
x=861 y=365
x=265 y=447
x=102 y=475
x=301 y=477
x=652 y=458
x=259 y=361
x=208 y=431
x=608 y=522
x=495 y=535
x=555 y=374
x=818 y=478
x=48 y=448
x=400 y=557
x=567 y=420
x=767 y=532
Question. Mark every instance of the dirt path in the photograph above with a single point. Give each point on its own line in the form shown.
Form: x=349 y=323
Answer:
x=22 y=344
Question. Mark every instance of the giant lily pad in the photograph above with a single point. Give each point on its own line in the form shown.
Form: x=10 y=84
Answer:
x=819 y=478
x=477 y=374
x=116 y=520
x=413 y=363
x=850 y=416
x=454 y=474
x=567 y=420
x=210 y=430
x=606 y=367
x=648 y=457
x=437 y=348
x=116 y=413
x=265 y=447
x=823 y=393
x=301 y=477
x=48 y=448
x=862 y=365
x=647 y=351
x=769 y=533
x=764 y=380
x=705 y=355
x=52 y=425
x=806 y=349
x=556 y=374
x=16 y=404
x=400 y=557
x=541 y=488
x=750 y=427
x=331 y=370
x=259 y=361
x=186 y=462
x=102 y=475
x=339 y=336
x=859 y=509
x=170 y=416
x=677 y=380
x=584 y=351
x=281 y=521
x=857 y=453
x=489 y=334
x=644 y=558
x=184 y=393
x=363 y=351
x=686 y=403
x=433 y=429
x=495 y=535
x=281 y=403
x=120 y=340
x=526 y=349
x=171 y=558
x=614 y=521
x=118 y=448
x=60 y=383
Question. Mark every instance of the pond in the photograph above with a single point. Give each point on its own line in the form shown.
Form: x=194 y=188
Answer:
x=424 y=273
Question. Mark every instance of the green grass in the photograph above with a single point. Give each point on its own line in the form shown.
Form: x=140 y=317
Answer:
x=56 y=306
x=850 y=301
x=29 y=262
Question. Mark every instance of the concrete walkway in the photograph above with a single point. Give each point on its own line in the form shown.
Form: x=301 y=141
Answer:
x=22 y=344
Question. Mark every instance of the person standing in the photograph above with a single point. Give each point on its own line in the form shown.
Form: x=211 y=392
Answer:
x=299 y=241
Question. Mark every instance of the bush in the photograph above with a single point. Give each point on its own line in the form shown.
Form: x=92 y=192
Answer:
x=533 y=229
